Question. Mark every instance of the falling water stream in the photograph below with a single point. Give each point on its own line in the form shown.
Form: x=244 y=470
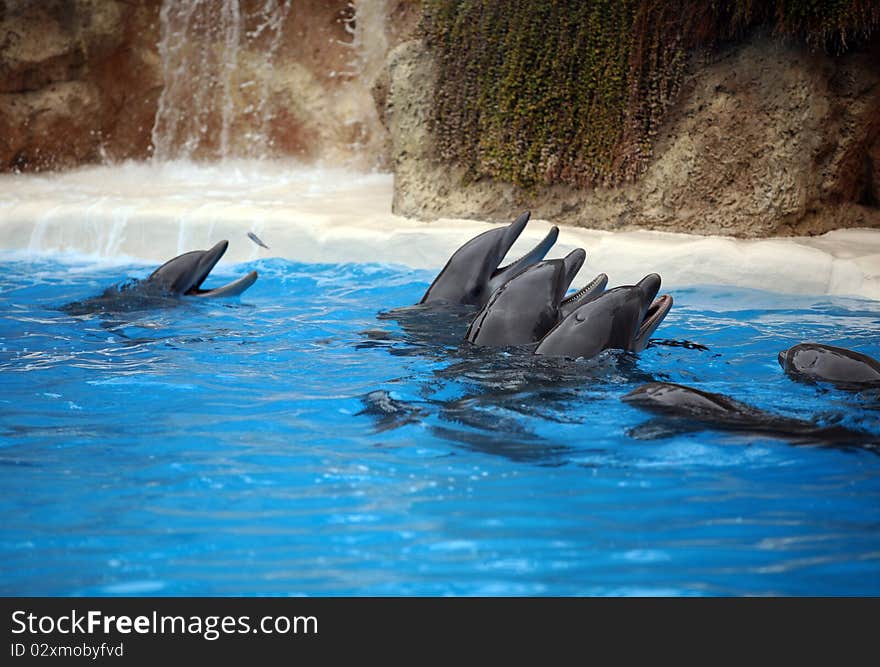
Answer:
x=201 y=50
x=226 y=82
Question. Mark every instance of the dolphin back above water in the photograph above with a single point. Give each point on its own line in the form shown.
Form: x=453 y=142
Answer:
x=622 y=318
x=845 y=368
x=473 y=272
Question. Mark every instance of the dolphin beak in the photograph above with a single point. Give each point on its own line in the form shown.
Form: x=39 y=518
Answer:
x=585 y=294
x=234 y=288
x=781 y=357
x=649 y=285
x=513 y=231
x=207 y=262
x=656 y=313
x=535 y=255
x=654 y=310
x=206 y=265
x=573 y=262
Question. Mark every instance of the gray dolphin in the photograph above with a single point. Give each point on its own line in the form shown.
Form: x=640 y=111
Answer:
x=472 y=274
x=184 y=274
x=526 y=307
x=178 y=277
x=708 y=409
x=622 y=318
x=826 y=363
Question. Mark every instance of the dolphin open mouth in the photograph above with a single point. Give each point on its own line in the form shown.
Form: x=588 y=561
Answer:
x=655 y=314
x=206 y=264
x=586 y=293
x=504 y=273
x=234 y=288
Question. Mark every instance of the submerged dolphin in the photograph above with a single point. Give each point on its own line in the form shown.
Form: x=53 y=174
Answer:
x=530 y=304
x=704 y=408
x=826 y=363
x=181 y=276
x=622 y=318
x=472 y=274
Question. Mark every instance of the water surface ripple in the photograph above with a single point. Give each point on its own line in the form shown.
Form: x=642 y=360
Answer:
x=307 y=438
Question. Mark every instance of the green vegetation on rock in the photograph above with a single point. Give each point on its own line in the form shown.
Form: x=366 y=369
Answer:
x=573 y=91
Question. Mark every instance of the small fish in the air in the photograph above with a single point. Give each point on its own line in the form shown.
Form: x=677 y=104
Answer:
x=256 y=239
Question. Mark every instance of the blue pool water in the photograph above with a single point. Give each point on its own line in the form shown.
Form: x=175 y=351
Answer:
x=295 y=441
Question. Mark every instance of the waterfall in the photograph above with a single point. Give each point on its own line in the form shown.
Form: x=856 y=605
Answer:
x=241 y=81
x=369 y=46
x=216 y=66
x=246 y=82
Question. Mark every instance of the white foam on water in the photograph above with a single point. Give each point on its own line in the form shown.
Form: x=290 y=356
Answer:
x=140 y=212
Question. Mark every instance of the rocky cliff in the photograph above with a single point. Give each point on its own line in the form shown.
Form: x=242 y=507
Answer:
x=765 y=137
x=79 y=81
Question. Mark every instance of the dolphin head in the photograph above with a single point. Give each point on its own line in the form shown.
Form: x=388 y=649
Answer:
x=184 y=274
x=526 y=307
x=800 y=359
x=621 y=318
x=652 y=311
x=474 y=272
x=827 y=363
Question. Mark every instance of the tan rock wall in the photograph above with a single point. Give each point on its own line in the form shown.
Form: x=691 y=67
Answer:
x=766 y=138
x=78 y=81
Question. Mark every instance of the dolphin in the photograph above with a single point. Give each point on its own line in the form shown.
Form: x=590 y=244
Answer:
x=825 y=363
x=181 y=276
x=621 y=318
x=184 y=274
x=704 y=408
x=472 y=274
x=527 y=306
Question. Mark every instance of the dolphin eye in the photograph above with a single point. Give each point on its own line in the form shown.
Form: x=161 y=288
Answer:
x=580 y=317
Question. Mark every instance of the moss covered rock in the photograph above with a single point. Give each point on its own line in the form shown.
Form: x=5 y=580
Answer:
x=573 y=91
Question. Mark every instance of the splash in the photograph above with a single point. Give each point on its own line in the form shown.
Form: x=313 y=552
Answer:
x=150 y=212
